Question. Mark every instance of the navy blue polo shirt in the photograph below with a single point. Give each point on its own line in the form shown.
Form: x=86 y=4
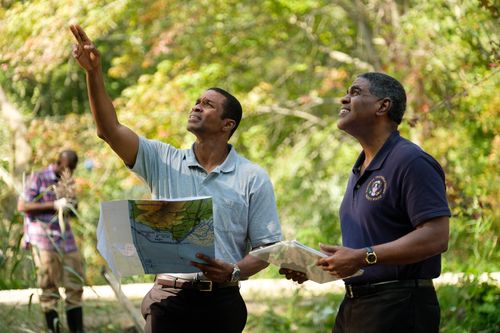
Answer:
x=402 y=187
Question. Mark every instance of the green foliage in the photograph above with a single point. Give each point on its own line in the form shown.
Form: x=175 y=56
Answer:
x=107 y=179
x=288 y=62
x=299 y=313
x=16 y=264
x=35 y=51
x=470 y=306
x=101 y=315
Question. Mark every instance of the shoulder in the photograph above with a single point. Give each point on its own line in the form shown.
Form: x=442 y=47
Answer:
x=250 y=167
x=39 y=179
x=43 y=174
x=251 y=171
x=410 y=156
x=406 y=148
x=152 y=144
x=149 y=146
x=409 y=151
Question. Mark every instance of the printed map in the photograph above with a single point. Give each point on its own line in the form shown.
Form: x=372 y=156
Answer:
x=170 y=233
x=138 y=237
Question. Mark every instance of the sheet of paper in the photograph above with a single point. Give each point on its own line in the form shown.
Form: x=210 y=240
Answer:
x=294 y=255
x=138 y=237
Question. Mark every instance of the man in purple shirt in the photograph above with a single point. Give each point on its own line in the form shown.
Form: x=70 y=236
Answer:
x=394 y=219
x=46 y=203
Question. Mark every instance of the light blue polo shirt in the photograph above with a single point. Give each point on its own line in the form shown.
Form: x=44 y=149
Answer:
x=244 y=207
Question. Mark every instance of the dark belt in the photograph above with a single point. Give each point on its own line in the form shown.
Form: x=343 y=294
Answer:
x=201 y=285
x=354 y=291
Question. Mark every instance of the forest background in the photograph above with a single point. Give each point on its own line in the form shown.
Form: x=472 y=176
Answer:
x=289 y=62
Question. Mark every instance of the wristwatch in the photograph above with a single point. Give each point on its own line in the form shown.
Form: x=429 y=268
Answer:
x=235 y=275
x=371 y=256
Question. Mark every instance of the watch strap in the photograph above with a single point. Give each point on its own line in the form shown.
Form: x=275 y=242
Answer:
x=236 y=274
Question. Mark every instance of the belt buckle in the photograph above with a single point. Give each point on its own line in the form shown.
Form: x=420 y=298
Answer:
x=205 y=285
x=350 y=294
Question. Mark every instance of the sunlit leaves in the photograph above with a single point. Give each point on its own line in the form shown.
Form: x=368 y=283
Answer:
x=288 y=62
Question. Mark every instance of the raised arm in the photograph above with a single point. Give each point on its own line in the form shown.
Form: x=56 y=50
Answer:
x=120 y=138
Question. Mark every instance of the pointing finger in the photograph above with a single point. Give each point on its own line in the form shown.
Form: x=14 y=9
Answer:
x=75 y=33
x=83 y=35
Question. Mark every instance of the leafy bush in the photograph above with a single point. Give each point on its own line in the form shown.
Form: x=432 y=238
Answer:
x=288 y=82
x=470 y=306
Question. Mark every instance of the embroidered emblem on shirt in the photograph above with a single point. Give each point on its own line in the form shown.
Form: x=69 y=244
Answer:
x=376 y=188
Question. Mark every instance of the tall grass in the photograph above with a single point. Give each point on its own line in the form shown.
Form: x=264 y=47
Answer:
x=16 y=264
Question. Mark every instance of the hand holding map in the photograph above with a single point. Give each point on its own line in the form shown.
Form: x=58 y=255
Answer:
x=297 y=257
x=155 y=236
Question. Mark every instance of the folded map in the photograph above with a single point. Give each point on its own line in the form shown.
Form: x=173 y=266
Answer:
x=138 y=237
x=296 y=256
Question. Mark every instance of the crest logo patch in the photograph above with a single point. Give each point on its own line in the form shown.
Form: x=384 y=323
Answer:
x=376 y=188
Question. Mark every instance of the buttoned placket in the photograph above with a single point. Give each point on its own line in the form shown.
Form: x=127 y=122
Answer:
x=209 y=177
x=360 y=179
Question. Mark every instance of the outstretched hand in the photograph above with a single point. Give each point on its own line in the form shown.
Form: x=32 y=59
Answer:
x=85 y=51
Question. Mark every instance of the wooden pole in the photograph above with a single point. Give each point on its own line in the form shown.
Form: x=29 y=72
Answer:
x=135 y=314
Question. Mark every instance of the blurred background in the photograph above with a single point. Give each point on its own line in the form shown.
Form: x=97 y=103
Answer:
x=289 y=62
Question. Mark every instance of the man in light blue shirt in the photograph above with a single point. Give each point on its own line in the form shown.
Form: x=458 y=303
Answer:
x=244 y=207
x=245 y=214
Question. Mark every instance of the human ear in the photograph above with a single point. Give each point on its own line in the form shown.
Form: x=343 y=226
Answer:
x=385 y=106
x=229 y=124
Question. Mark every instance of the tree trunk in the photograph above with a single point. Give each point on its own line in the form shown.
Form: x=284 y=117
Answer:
x=357 y=10
x=15 y=147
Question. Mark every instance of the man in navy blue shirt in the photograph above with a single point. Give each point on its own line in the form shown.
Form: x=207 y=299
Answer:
x=394 y=219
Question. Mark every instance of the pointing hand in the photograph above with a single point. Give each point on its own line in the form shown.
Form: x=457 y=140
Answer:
x=85 y=51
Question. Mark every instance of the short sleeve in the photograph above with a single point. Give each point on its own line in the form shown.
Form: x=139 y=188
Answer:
x=424 y=190
x=147 y=161
x=153 y=164
x=264 y=226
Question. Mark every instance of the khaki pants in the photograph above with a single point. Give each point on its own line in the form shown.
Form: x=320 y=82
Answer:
x=56 y=270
